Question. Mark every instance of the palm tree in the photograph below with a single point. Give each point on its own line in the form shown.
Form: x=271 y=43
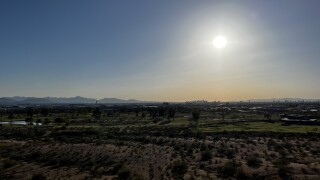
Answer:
x=196 y=116
x=10 y=117
x=171 y=113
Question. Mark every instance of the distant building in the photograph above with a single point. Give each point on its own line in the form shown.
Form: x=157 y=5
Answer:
x=298 y=119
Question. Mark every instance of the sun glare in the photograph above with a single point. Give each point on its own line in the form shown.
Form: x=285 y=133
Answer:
x=220 y=42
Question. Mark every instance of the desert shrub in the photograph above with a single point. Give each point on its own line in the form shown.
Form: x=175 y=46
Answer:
x=230 y=153
x=35 y=155
x=136 y=176
x=115 y=169
x=58 y=120
x=283 y=160
x=38 y=177
x=124 y=174
x=202 y=165
x=304 y=170
x=206 y=155
x=221 y=151
x=8 y=163
x=284 y=172
x=229 y=169
x=254 y=161
x=190 y=152
x=203 y=147
x=315 y=151
x=179 y=168
x=177 y=147
x=242 y=173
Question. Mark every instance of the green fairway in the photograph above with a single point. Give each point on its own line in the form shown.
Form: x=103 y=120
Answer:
x=260 y=126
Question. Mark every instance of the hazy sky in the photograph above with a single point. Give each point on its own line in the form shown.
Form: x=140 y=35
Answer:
x=160 y=50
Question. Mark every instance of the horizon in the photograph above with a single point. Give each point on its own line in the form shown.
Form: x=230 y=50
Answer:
x=294 y=99
x=160 y=51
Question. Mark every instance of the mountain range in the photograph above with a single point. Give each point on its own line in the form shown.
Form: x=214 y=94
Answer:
x=67 y=100
x=83 y=100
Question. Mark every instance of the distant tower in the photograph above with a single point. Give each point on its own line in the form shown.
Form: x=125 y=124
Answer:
x=96 y=102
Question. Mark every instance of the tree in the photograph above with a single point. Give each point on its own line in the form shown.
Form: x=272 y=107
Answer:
x=223 y=112
x=213 y=113
x=96 y=113
x=10 y=117
x=137 y=112
x=83 y=110
x=153 y=114
x=196 y=116
x=58 y=120
x=30 y=112
x=2 y=112
x=28 y=120
x=162 y=112
x=267 y=116
x=44 y=112
x=171 y=113
x=46 y=121
x=67 y=122
x=38 y=121
x=143 y=115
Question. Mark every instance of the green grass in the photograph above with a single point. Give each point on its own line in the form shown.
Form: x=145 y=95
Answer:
x=205 y=125
x=180 y=121
x=260 y=126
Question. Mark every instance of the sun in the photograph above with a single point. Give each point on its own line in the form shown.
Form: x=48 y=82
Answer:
x=220 y=42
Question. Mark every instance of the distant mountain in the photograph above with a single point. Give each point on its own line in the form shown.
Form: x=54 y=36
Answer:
x=19 y=98
x=72 y=100
x=119 y=101
x=35 y=101
x=7 y=101
x=66 y=100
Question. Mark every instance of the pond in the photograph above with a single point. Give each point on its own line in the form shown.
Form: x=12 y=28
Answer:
x=20 y=123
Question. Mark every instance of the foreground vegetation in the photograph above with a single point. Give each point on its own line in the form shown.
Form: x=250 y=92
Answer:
x=174 y=145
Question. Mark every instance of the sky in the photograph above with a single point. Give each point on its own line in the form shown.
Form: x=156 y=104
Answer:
x=160 y=50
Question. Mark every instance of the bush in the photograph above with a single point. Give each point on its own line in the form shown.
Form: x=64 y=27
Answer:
x=229 y=169
x=254 y=162
x=206 y=155
x=242 y=173
x=179 y=168
x=8 y=163
x=115 y=169
x=230 y=153
x=38 y=177
x=284 y=172
x=124 y=174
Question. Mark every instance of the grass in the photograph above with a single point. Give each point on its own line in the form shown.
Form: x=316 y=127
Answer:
x=205 y=125
x=180 y=121
x=260 y=126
